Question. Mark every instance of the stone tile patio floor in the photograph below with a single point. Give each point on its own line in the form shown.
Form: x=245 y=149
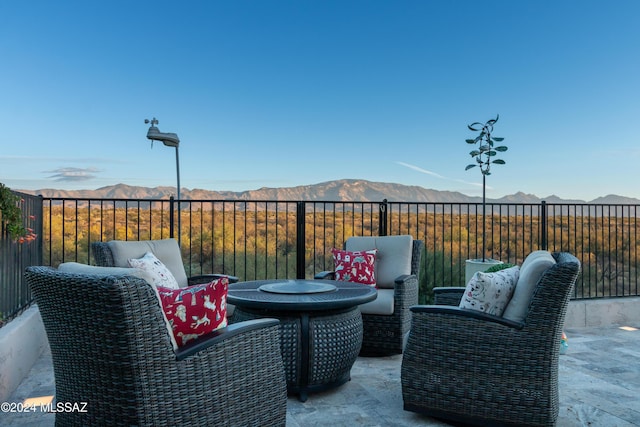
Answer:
x=599 y=386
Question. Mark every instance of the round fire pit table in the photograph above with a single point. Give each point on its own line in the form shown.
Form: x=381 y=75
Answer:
x=320 y=326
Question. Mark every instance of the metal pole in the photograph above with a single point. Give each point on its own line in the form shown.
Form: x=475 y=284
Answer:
x=382 y=219
x=300 y=239
x=179 y=200
x=170 y=140
x=171 y=217
x=484 y=212
x=544 y=231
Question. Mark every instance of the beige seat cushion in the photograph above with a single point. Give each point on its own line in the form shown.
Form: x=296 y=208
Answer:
x=531 y=271
x=166 y=250
x=392 y=260
x=382 y=305
x=78 y=268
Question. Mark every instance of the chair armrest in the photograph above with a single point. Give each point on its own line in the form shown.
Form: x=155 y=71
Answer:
x=325 y=275
x=465 y=313
x=448 y=295
x=219 y=335
x=205 y=278
x=237 y=373
x=405 y=296
x=405 y=278
x=407 y=284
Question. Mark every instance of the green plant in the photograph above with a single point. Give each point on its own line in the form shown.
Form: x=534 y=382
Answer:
x=485 y=155
x=11 y=216
x=499 y=267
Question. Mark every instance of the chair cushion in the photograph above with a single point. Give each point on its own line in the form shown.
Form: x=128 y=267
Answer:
x=393 y=259
x=531 y=271
x=160 y=274
x=382 y=305
x=195 y=310
x=358 y=266
x=78 y=268
x=166 y=250
x=490 y=292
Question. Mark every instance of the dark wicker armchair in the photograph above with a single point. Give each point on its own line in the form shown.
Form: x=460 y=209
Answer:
x=476 y=368
x=111 y=349
x=167 y=251
x=384 y=334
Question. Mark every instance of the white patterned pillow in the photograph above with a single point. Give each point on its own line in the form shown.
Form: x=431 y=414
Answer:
x=159 y=273
x=490 y=292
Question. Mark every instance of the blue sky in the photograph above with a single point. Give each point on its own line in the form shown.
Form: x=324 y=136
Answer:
x=285 y=93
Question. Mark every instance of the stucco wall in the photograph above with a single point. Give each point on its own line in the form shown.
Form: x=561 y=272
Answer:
x=603 y=312
x=22 y=341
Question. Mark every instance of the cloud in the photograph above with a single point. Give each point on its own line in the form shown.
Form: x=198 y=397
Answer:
x=73 y=174
x=437 y=175
x=100 y=160
x=419 y=169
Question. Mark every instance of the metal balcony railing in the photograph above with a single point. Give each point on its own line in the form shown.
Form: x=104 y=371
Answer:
x=270 y=239
x=15 y=295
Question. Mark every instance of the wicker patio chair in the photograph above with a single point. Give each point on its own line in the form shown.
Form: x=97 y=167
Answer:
x=116 y=252
x=384 y=334
x=468 y=366
x=111 y=349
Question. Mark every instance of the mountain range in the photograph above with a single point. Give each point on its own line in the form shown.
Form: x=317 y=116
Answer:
x=339 y=190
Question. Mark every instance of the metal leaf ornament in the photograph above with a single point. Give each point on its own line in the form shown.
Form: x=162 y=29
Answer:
x=486 y=152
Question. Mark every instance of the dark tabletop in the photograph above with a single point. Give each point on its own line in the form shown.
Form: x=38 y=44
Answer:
x=281 y=294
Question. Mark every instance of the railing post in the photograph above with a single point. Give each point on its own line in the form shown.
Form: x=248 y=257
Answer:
x=39 y=213
x=382 y=218
x=543 y=220
x=300 y=239
x=171 y=216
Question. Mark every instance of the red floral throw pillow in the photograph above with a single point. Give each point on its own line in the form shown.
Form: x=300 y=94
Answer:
x=356 y=267
x=195 y=310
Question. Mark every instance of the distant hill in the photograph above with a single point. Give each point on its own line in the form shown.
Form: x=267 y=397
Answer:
x=340 y=190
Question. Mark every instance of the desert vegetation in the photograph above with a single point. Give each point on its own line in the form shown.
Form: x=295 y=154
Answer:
x=258 y=240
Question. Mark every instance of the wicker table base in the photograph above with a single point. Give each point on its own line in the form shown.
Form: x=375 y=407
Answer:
x=320 y=334
x=318 y=348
